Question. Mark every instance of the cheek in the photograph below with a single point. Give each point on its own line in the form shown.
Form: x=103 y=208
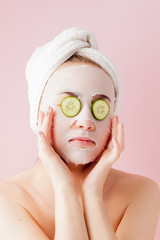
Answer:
x=103 y=130
x=105 y=123
x=60 y=125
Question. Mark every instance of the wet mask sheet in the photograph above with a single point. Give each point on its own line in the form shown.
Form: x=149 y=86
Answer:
x=85 y=82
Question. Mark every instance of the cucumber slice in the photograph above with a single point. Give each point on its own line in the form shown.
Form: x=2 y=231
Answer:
x=100 y=109
x=70 y=106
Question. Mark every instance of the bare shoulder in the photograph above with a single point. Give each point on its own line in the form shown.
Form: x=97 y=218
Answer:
x=25 y=193
x=16 y=191
x=13 y=188
x=139 y=198
x=16 y=220
x=132 y=183
x=144 y=190
x=21 y=189
x=123 y=187
x=126 y=194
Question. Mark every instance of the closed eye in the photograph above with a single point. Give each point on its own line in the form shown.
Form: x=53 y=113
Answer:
x=59 y=101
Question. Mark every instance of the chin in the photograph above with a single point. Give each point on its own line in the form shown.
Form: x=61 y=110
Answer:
x=78 y=162
x=80 y=156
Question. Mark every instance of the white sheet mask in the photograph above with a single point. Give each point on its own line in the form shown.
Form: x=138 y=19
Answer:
x=84 y=80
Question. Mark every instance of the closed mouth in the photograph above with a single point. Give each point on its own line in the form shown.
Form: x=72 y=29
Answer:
x=82 y=142
x=82 y=139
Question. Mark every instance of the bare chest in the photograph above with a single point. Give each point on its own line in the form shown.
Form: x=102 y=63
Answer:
x=42 y=208
x=44 y=212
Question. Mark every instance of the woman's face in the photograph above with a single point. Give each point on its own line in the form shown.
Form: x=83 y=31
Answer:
x=86 y=82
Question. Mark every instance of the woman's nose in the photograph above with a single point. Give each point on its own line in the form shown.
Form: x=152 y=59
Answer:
x=85 y=124
x=85 y=119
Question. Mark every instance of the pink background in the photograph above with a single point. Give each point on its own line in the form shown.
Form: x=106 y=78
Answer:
x=127 y=31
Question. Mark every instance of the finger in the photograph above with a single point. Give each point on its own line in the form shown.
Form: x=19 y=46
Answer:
x=47 y=123
x=114 y=131
x=114 y=126
x=115 y=153
x=41 y=117
x=120 y=136
x=107 y=159
x=46 y=151
x=46 y=154
x=111 y=155
x=52 y=161
x=40 y=120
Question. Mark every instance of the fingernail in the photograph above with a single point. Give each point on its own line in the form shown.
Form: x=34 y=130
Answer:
x=115 y=118
x=41 y=114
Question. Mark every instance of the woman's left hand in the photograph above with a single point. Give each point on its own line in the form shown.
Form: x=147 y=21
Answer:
x=95 y=175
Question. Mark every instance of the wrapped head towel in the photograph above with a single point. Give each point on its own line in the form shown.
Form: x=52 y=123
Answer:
x=45 y=59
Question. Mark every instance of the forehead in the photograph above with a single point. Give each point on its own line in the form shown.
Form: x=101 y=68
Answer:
x=85 y=79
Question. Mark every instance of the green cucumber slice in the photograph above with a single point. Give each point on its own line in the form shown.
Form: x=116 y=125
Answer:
x=70 y=106
x=100 y=109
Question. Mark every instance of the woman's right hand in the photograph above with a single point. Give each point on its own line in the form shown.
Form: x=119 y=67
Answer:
x=58 y=171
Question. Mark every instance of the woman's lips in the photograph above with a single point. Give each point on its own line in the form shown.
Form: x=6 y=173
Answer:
x=83 y=142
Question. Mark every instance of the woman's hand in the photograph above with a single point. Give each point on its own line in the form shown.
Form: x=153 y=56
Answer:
x=96 y=174
x=58 y=171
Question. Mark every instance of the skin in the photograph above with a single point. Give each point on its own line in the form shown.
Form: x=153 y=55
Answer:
x=121 y=200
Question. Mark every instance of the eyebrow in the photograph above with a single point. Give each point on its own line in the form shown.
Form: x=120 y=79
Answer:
x=76 y=94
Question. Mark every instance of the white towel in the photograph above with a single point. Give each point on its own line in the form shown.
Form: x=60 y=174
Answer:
x=45 y=59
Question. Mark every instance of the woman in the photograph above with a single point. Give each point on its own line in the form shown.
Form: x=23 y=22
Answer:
x=74 y=192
